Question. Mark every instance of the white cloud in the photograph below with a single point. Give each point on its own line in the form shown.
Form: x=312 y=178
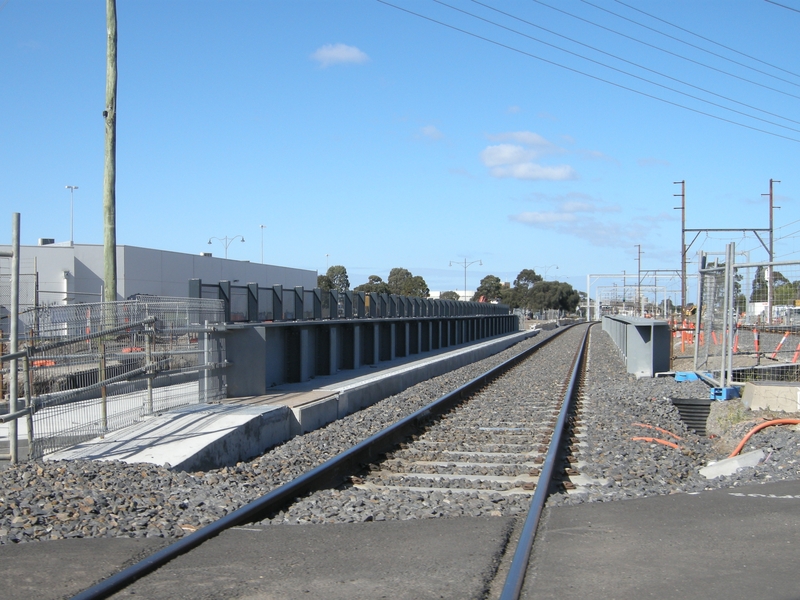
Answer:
x=527 y=138
x=333 y=54
x=653 y=162
x=576 y=215
x=506 y=154
x=548 y=218
x=431 y=132
x=515 y=160
x=534 y=172
x=512 y=110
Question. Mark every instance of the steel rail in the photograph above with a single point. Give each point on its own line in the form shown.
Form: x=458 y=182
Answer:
x=329 y=474
x=519 y=563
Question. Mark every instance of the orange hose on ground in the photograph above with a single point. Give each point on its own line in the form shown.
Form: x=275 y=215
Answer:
x=656 y=440
x=657 y=429
x=758 y=428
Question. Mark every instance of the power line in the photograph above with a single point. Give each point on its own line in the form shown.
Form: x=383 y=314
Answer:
x=628 y=62
x=709 y=39
x=664 y=50
x=783 y=6
x=619 y=85
x=603 y=64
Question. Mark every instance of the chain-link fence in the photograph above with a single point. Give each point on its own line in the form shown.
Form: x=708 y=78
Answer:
x=748 y=321
x=27 y=299
x=88 y=369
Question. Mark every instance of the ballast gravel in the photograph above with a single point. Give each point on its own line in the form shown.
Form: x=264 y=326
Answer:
x=75 y=499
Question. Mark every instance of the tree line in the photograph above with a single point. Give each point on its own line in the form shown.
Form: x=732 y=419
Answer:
x=528 y=292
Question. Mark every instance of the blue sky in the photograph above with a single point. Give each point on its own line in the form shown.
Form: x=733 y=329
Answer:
x=362 y=135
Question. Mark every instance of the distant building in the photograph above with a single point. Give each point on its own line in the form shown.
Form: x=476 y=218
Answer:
x=72 y=274
x=462 y=295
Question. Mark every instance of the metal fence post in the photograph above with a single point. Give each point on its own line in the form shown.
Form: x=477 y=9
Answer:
x=225 y=296
x=102 y=377
x=277 y=303
x=148 y=358
x=252 y=302
x=348 y=304
x=14 y=335
x=26 y=369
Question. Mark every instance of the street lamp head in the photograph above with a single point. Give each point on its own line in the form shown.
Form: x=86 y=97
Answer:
x=242 y=240
x=209 y=241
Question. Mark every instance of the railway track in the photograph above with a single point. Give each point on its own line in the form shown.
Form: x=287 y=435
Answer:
x=492 y=447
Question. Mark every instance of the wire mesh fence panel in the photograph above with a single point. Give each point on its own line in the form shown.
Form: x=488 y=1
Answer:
x=764 y=323
x=27 y=300
x=709 y=350
x=96 y=368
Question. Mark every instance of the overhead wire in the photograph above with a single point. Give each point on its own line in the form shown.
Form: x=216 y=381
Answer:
x=783 y=6
x=630 y=63
x=578 y=71
x=690 y=44
x=708 y=39
x=601 y=64
x=675 y=54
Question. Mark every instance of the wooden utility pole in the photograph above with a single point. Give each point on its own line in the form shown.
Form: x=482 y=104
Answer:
x=110 y=172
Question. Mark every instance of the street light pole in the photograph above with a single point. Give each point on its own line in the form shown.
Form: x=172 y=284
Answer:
x=263 y=227
x=226 y=241
x=71 y=189
x=466 y=264
x=546 y=268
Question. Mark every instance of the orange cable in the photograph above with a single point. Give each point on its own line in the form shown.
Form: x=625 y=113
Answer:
x=657 y=440
x=758 y=428
x=657 y=429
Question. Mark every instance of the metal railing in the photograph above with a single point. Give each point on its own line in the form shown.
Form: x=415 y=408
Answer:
x=252 y=303
x=89 y=369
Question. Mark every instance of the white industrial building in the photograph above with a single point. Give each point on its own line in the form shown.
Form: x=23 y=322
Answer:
x=74 y=273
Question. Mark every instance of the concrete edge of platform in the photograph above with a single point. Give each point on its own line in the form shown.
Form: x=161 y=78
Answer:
x=351 y=398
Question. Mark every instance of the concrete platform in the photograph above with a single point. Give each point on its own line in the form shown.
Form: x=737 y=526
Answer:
x=201 y=437
x=737 y=543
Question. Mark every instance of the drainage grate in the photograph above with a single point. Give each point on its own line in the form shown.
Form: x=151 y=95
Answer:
x=694 y=412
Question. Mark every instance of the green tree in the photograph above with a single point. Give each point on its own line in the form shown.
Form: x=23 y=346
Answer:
x=783 y=290
x=374 y=284
x=449 y=296
x=527 y=278
x=334 y=279
x=555 y=295
x=523 y=289
x=403 y=283
x=337 y=275
x=490 y=288
x=324 y=283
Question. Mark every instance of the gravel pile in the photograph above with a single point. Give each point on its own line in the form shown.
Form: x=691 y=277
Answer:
x=42 y=501
x=615 y=407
